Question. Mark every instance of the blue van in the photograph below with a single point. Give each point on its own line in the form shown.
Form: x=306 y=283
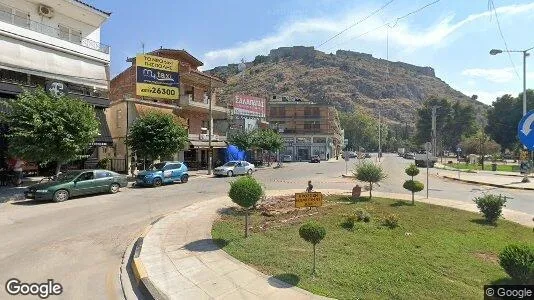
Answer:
x=162 y=173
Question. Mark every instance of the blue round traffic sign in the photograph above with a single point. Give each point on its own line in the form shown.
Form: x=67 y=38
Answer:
x=525 y=130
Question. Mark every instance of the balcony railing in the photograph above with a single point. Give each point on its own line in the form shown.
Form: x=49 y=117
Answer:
x=8 y=17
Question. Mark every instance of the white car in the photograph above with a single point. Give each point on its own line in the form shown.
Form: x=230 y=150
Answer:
x=234 y=167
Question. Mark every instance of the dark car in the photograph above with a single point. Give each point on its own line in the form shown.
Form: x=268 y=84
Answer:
x=77 y=183
x=315 y=159
x=367 y=155
x=163 y=172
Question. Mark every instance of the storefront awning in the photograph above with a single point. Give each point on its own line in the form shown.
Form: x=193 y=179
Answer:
x=104 y=135
x=205 y=145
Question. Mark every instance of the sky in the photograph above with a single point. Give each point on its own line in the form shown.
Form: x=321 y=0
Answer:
x=452 y=36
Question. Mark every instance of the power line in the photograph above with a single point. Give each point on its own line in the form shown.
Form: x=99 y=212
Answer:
x=388 y=23
x=356 y=23
x=492 y=6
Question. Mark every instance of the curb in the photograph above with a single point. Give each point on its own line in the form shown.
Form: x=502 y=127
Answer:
x=141 y=276
x=490 y=184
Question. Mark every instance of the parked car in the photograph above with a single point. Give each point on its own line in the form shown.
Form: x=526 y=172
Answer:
x=409 y=155
x=162 y=173
x=287 y=158
x=77 y=183
x=315 y=159
x=367 y=155
x=234 y=167
x=353 y=154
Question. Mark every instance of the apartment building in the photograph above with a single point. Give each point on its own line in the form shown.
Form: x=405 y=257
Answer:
x=197 y=89
x=56 y=44
x=306 y=127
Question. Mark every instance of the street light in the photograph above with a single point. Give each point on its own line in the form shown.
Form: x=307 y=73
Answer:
x=525 y=54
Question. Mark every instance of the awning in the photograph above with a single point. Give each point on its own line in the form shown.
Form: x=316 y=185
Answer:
x=104 y=135
x=205 y=145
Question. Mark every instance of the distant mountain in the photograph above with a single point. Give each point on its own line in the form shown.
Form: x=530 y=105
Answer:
x=347 y=80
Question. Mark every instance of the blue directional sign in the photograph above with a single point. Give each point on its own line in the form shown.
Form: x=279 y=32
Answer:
x=525 y=130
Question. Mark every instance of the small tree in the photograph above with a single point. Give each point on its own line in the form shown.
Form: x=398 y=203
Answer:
x=369 y=172
x=245 y=192
x=491 y=206
x=46 y=128
x=156 y=135
x=267 y=139
x=413 y=185
x=312 y=233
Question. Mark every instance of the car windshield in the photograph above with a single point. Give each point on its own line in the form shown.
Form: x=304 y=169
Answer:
x=158 y=166
x=230 y=164
x=68 y=175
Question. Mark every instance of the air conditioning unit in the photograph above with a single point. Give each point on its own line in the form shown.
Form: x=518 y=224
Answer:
x=46 y=11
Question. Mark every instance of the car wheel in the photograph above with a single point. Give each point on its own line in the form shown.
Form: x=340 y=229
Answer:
x=114 y=188
x=184 y=178
x=249 y=172
x=157 y=182
x=230 y=174
x=61 y=195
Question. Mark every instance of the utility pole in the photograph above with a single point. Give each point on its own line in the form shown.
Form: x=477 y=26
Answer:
x=379 y=135
x=210 y=150
x=434 y=146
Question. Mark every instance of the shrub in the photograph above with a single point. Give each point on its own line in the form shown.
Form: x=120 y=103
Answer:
x=412 y=170
x=312 y=233
x=103 y=163
x=518 y=262
x=369 y=172
x=491 y=206
x=245 y=192
x=413 y=186
x=362 y=215
x=391 y=221
x=349 y=222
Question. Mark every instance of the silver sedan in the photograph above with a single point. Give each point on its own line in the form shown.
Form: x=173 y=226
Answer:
x=234 y=167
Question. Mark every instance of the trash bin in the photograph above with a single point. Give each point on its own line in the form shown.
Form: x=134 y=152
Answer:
x=494 y=167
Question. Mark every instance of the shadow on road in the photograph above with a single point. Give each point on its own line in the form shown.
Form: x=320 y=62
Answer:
x=30 y=202
x=284 y=281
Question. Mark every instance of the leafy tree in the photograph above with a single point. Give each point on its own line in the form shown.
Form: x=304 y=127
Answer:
x=361 y=130
x=413 y=185
x=462 y=124
x=245 y=192
x=480 y=144
x=156 y=135
x=424 y=119
x=268 y=140
x=312 y=233
x=46 y=128
x=369 y=172
x=503 y=117
x=242 y=139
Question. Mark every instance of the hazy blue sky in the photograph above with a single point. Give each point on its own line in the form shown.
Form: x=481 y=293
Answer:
x=452 y=36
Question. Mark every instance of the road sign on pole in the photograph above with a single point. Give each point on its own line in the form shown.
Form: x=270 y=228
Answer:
x=525 y=131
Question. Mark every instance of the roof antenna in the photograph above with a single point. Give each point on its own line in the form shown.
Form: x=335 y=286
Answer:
x=143 y=46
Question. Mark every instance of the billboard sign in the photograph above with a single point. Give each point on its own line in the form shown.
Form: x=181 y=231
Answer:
x=157 y=77
x=249 y=106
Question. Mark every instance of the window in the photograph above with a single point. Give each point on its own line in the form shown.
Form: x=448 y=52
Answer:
x=14 y=16
x=5 y=13
x=86 y=176
x=69 y=34
x=102 y=174
x=119 y=118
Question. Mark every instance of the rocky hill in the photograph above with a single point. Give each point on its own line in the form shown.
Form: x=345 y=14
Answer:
x=347 y=80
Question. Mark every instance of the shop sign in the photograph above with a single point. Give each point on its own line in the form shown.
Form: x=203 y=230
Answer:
x=157 y=77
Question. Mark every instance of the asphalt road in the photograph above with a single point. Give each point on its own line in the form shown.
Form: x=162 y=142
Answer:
x=79 y=243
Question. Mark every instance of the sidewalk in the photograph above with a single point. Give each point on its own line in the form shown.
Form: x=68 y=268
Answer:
x=8 y=193
x=179 y=260
x=496 y=180
x=500 y=173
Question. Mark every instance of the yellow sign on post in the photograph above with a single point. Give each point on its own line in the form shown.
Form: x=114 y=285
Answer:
x=523 y=155
x=313 y=199
x=157 y=77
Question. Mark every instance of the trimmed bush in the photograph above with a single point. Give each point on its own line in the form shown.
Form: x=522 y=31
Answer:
x=518 y=262
x=412 y=170
x=490 y=206
x=363 y=216
x=349 y=222
x=413 y=186
x=312 y=233
x=245 y=192
x=391 y=221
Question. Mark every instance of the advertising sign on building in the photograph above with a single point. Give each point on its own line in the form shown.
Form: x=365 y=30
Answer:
x=249 y=106
x=157 y=77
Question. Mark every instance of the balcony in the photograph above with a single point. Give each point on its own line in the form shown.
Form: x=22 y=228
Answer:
x=187 y=102
x=26 y=23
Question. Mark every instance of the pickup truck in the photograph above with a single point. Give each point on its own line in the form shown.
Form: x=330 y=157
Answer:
x=421 y=159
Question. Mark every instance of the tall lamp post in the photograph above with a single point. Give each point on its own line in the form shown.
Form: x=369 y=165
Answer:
x=525 y=54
